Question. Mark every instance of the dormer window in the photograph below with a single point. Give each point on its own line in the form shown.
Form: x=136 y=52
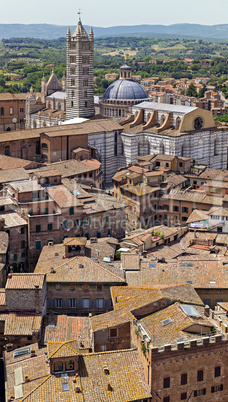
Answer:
x=58 y=367
x=70 y=365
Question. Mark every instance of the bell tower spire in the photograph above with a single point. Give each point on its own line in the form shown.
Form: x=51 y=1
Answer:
x=79 y=74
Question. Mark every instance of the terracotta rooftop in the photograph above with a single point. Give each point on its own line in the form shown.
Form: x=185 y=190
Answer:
x=2 y=297
x=62 y=328
x=62 y=196
x=77 y=270
x=180 y=324
x=197 y=216
x=8 y=162
x=25 y=281
x=14 y=174
x=201 y=273
x=21 y=324
x=126 y=378
x=13 y=219
x=109 y=320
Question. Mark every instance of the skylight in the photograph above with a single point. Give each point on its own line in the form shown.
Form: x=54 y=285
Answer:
x=21 y=352
x=182 y=339
x=167 y=321
x=189 y=282
x=186 y=265
x=152 y=265
x=212 y=282
x=190 y=310
x=65 y=386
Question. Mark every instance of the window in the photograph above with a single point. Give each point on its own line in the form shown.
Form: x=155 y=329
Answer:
x=184 y=379
x=200 y=375
x=106 y=219
x=166 y=382
x=22 y=230
x=44 y=145
x=15 y=257
x=11 y=110
x=217 y=388
x=72 y=59
x=21 y=109
x=72 y=303
x=199 y=392
x=99 y=288
x=175 y=208
x=185 y=210
x=23 y=254
x=71 y=211
x=207 y=291
x=72 y=81
x=58 y=366
x=45 y=211
x=100 y=303
x=180 y=164
x=85 y=83
x=198 y=123
x=2 y=111
x=70 y=365
x=86 y=303
x=49 y=227
x=65 y=224
x=7 y=150
x=22 y=243
x=217 y=371
x=183 y=396
x=38 y=228
x=38 y=245
x=113 y=332
x=166 y=399
x=58 y=303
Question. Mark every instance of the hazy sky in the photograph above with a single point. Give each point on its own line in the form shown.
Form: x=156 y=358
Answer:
x=116 y=12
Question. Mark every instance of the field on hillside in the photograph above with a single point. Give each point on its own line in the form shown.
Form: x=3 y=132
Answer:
x=24 y=60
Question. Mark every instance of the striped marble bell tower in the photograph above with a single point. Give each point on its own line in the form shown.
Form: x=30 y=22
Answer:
x=80 y=59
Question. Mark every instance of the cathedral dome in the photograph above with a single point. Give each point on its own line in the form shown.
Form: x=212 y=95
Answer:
x=125 y=89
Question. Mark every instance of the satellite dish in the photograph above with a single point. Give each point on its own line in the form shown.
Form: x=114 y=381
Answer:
x=14 y=120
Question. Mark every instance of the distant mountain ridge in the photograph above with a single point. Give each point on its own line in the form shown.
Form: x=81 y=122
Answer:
x=48 y=31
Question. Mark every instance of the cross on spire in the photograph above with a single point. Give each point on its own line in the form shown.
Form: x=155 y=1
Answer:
x=79 y=13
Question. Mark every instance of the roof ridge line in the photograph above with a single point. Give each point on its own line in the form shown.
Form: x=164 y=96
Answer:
x=39 y=385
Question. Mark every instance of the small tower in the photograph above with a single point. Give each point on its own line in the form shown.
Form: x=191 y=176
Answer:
x=125 y=71
x=79 y=77
x=63 y=82
x=43 y=89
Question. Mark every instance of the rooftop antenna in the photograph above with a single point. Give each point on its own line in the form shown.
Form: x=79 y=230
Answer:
x=125 y=57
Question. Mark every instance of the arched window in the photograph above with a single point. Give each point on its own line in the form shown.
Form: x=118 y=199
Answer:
x=58 y=366
x=216 y=147
x=178 y=121
x=59 y=106
x=184 y=150
x=162 y=120
x=34 y=124
x=138 y=148
x=70 y=365
x=200 y=149
x=161 y=148
x=44 y=145
x=49 y=105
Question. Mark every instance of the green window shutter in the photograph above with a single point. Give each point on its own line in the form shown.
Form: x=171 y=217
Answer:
x=106 y=219
x=45 y=211
x=38 y=228
x=90 y=220
x=38 y=245
x=23 y=254
x=49 y=226
x=87 y=236
x=71 y=211
x=15 y=257
x=30 y=212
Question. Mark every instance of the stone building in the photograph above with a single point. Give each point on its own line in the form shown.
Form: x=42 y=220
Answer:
x=12 y=111
x=121 y=95
x=174 y=130
x=79 y=88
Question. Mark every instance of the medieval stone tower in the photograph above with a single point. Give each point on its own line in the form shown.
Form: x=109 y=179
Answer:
x=79 y=78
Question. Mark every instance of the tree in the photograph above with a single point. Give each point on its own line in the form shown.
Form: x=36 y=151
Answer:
x=191 y=91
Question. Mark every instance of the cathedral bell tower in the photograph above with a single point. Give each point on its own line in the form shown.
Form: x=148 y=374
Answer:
x=79 y=78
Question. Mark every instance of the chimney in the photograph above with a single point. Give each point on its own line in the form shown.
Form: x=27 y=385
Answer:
x=37 y=298
x=109 y=387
